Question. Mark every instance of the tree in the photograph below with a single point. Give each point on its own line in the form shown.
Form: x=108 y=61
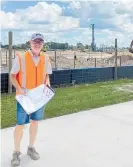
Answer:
x=80 y=46
x=86 y=46
x=66 y=46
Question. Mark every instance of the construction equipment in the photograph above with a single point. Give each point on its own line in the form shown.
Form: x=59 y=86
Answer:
x=131 y=47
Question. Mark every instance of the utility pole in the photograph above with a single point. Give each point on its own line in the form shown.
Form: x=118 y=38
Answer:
x=93 y=38
x=116 y=59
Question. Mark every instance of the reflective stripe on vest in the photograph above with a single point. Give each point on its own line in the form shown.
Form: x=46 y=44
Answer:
x=46 y=64
x=24 y=71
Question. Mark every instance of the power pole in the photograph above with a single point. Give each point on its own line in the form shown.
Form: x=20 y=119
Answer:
x=93 y=38
x=116 y=59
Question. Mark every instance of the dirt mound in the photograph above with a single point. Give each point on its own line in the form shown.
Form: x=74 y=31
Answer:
x=124 y=58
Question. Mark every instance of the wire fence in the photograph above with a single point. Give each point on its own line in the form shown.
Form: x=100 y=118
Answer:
x=70 y=59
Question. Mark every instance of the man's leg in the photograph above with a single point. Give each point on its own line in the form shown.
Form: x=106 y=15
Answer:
x=18 y=133
x=33 y=132
x=22 y=118
x=35 y=117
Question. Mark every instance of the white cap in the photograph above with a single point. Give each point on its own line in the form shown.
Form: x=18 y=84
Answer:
x=37 y=36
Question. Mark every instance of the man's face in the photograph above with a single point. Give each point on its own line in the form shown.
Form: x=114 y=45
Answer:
x=36 y=45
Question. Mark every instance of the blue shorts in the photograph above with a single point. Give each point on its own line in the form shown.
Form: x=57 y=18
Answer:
x=24 y=118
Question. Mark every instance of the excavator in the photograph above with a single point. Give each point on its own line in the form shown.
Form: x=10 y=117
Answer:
x=131 y=47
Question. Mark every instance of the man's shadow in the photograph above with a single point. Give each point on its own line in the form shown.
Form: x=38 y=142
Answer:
x=25 y=160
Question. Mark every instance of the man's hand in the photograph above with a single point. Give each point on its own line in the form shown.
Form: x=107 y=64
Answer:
x=47 y=82
x=21 y=91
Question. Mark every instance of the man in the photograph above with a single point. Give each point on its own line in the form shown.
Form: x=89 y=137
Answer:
x=29 y=71
x=131 y=47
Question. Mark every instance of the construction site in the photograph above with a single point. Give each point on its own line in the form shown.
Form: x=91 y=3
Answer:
x=70 y=59
x=78 y=58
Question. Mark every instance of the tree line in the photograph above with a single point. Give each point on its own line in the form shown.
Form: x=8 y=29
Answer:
x=51 y=46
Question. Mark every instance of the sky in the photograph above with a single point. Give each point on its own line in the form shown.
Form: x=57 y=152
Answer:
x=68 y=21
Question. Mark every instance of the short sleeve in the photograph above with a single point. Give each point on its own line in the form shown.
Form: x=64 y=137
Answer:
x=16 y=67
x=48 y=66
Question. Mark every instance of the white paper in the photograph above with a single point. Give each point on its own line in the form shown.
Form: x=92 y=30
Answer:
x=35 y=98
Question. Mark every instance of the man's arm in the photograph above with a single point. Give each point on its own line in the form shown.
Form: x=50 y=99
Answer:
x=48 y=70
x=15 y=83
x=15 y=69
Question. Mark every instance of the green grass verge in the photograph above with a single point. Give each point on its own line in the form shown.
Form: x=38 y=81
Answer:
x=71 y=99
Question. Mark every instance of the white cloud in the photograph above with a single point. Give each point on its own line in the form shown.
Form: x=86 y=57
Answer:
x=75 y=5
x=124 y=7
x=42 y=16
x=65 y=23
x=43 y=12
x=115 y=20
x=80 y=9
x=9 y=20
x=111 y=13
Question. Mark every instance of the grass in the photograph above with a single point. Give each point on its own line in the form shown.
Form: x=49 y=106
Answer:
x=71 y=99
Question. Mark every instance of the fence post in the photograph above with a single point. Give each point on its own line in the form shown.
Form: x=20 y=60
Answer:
x=116 y=59
x=55 y=59
x=6 y=59
x=10 y=62
x=74 y=59
x=95 y=63
x=14 y=54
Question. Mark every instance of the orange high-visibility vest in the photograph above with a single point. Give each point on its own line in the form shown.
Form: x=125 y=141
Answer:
x=30 y=75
